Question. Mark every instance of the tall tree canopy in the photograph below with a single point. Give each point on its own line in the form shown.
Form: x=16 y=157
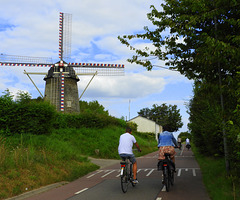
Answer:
x=164 y=115
x=193 y=37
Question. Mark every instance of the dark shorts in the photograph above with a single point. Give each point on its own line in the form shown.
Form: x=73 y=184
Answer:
x=130 y=156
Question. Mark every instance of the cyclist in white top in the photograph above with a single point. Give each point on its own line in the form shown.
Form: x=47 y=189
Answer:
x=126 y=142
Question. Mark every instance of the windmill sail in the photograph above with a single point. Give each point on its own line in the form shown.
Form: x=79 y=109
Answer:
x=28 y=61
x=65 y=36
x=61 y=81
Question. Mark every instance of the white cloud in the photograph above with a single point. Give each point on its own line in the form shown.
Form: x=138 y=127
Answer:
x=128 y=86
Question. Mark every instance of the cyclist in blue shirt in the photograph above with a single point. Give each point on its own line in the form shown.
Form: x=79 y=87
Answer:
x=165 y=144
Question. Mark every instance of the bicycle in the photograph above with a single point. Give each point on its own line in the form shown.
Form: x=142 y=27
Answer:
x=188 y=146
x=126 y=174
x=167 y=166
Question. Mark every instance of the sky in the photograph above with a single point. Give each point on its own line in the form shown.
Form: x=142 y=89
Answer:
x=31 y=27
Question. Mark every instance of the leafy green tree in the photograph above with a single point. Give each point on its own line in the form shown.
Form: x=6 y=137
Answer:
x=205 y=119
x=23 y=97
x=92 y=107
x=164 y=115
x=194 y=37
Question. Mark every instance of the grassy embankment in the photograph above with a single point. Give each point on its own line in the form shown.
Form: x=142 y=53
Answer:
x=31 y=161
x=216 y=181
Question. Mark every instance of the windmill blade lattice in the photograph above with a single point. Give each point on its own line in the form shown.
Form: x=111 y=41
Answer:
x=65 y=36
x=102 y=69
x=61 y=81
x=25 y=61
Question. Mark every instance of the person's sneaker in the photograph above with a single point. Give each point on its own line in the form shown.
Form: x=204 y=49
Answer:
x=135 y=181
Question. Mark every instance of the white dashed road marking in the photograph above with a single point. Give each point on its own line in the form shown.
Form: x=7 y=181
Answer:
x=194 y=172
x=108 y=173
x=148 y=172
x=98 y=171
x=179 y=172
x=81 y=191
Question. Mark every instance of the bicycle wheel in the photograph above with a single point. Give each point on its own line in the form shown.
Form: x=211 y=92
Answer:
x=124 y=180
x=166 y=178
x=172 y=176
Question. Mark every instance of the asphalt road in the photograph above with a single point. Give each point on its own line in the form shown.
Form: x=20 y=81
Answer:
x=104 y=184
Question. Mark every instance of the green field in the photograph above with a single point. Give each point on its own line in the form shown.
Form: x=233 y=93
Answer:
x=31 y=161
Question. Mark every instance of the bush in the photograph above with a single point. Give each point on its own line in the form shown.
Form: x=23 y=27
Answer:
x=39 y=117
x=86 y=120
x=25 y=117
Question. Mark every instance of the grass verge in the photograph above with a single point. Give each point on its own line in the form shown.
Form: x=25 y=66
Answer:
x=31 y=161
x=216 y=181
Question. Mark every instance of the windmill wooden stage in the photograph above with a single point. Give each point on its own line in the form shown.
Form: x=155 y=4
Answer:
x=62 y=77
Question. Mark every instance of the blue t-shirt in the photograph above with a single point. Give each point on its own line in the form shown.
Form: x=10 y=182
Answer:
x=166 y=139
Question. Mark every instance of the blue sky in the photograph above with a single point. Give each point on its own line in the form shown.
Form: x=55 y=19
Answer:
x=30 y=28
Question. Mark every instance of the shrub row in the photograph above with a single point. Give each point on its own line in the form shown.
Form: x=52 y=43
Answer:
x=35 y=118
x=86 y=120
x=39 y=117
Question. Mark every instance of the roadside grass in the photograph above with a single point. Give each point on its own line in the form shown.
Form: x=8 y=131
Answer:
x=216 y=181
x=27 y=168
x=31 y=161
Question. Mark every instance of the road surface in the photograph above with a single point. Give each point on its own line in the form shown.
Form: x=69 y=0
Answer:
x=105 y=182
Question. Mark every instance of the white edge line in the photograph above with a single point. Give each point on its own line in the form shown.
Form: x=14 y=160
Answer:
x=81 y=191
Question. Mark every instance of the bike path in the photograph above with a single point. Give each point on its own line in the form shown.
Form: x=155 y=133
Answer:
x=105 y=182
x=188 y=179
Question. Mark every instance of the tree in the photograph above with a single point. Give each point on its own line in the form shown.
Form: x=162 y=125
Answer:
x=23 y=97
x=202 y=34
x=163 y=115
x=92 y=107
x=205 y=119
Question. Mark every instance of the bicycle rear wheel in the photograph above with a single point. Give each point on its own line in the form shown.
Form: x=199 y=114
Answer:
x=172 y=177
x=166 y=178
x=124 y=180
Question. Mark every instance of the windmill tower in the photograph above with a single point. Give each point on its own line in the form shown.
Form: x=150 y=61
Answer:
x=61 y=80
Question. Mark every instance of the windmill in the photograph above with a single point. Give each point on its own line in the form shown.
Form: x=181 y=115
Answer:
x=61 y=80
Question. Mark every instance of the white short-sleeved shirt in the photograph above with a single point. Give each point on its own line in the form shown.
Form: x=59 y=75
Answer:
x=126 y=142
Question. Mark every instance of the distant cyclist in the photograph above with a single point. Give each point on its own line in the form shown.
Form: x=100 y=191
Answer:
x=179 y=142
x=126 y=142
x=188 y=146
x=165 y=141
